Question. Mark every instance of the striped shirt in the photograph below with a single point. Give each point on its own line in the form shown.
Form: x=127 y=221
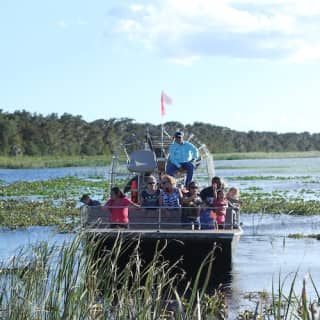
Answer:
x=171 y=199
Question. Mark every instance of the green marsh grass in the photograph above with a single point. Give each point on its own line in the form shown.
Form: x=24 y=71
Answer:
x=47 y=202
x=103 y=160
x=302 y=236
x=285 y=302
x=265 y=155
x=59 y=188
x=25 y=162
x=56 y=201
x=82 y=280
x=277 y=202
x=18 y=213
x=262 y=178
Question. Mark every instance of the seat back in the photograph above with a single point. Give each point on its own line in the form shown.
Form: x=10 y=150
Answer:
x=157 y=219
x=228 y=224
x=142 y=161
x=94 y=217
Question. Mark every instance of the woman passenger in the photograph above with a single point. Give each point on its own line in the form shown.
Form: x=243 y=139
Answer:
x=118 y=206
x=233 y=197
x=171 y=196
x=149 y=197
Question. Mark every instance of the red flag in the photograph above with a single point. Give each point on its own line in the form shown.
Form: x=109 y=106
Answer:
x=165 y=99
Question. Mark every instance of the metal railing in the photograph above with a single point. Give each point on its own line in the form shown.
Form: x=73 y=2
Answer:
x=160 y=218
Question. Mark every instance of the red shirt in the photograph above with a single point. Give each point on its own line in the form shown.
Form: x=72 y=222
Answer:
x=220 y=212
x=119 y=214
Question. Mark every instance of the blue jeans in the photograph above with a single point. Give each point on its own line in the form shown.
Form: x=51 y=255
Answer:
x=188 y=166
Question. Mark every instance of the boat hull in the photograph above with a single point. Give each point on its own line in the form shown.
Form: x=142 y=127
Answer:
x=190 y=250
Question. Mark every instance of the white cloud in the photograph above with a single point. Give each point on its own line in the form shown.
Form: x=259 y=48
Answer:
x=266 y=29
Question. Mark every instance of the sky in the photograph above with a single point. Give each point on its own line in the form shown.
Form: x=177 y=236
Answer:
x=243 y=64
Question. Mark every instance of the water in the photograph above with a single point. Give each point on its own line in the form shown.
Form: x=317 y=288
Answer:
x=264 y=252
x=13 y=175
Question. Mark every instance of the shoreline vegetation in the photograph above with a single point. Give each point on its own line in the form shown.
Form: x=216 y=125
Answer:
x=34 y=162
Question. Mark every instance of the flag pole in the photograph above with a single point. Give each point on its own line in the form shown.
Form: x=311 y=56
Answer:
x=162 y=108
x=165 y=99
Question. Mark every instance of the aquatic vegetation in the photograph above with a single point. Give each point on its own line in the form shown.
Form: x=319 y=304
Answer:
x=253 y=178
x=280 y=205
x=301 y=236
x=74 y=281
x=254 y=189
x=285 y=304
x=53 y=188
x=82 y=279
x=56 y=201
x=277 y=202
x=17 y=213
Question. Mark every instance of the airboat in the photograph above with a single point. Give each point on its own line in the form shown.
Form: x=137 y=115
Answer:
x=162 y=225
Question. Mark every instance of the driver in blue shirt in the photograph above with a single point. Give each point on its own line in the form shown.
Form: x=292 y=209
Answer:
x=181 y=156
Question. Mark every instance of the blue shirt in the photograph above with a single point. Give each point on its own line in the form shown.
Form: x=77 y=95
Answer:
x=184 y=152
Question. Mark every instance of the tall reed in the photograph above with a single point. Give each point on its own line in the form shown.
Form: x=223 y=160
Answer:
x=82 y=280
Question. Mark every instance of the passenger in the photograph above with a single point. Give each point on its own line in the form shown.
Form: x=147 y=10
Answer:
x=191 y=202
x=233 y=197
x=234 y=205
x=208 y=196
x=149 y=197
x=170 y=196
x=85 y=199
x=181 y=156
x=210 y=193
x=207 y=219
x=118 y=206
x=220 y=208
x=134 y=180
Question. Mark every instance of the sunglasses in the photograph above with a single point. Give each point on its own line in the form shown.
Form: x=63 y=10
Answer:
x=151 y=183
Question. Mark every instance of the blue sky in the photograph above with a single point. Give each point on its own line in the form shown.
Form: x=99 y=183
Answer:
x=243 y=64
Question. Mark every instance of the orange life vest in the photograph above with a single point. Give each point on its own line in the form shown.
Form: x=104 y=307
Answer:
x=134 y=191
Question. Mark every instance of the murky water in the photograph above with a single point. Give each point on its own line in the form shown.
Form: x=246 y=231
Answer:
x=264 y=252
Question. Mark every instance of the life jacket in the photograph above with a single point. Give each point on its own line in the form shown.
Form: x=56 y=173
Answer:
x=134 y=191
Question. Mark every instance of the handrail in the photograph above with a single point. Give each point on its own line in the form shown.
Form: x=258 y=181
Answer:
x=158 y=218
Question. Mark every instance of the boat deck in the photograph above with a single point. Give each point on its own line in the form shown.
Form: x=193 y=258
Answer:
x=181 y=234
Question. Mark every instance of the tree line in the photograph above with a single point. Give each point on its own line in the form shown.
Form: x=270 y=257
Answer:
x=32 y=134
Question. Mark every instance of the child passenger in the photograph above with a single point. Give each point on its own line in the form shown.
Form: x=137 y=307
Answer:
x=220 y=208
